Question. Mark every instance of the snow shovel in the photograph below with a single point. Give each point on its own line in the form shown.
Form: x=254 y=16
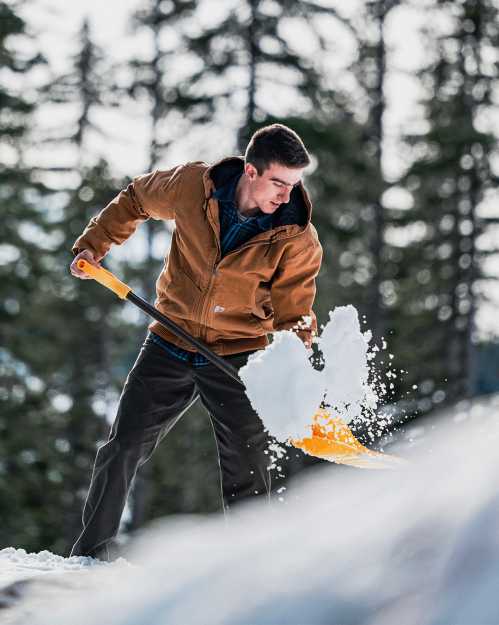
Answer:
x=331 y=438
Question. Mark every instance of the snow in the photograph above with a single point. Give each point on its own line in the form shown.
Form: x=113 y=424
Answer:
x=43 y=583
x=418 y=546
x=17 y=564
x=345 y=351
x=285 y=389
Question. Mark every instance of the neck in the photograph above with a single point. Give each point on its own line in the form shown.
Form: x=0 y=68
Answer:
x=245 y=204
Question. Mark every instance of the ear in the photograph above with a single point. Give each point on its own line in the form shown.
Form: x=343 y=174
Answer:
x=251 y=171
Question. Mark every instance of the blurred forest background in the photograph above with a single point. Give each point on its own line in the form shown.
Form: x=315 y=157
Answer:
x=417 y=253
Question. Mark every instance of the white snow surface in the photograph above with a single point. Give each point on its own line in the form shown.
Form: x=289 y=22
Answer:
x=33 y=585
x=417 y=546
x=16 y=564
x=285 y=389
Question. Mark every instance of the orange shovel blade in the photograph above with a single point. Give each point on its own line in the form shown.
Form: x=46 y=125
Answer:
x=333 y=440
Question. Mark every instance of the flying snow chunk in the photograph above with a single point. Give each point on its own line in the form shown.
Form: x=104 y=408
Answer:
x=283 y=387
x=346 y=369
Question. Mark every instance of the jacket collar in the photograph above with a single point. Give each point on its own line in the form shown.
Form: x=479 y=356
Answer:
x=297 y=211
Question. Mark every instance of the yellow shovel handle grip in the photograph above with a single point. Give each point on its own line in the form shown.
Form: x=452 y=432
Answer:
x=105 y=277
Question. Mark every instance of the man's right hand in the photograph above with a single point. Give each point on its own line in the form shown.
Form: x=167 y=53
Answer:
x=88 y=256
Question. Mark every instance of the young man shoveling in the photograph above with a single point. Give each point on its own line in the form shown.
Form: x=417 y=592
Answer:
x=243 y=261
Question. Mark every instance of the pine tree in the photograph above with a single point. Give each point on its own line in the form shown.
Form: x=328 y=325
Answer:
x=87 y=87
x=247 y=62
x=96 y=330
x=440 y=286
x=371 y=70
x=59 y=339
x=23 y=233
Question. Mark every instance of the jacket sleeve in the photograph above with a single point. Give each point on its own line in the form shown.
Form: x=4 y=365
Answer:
x=293 y=290
x=150 y=195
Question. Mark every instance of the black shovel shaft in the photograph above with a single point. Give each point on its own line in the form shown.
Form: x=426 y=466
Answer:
x=185 y=336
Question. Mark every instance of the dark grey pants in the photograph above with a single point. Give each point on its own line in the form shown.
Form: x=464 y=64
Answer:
x=157 y=391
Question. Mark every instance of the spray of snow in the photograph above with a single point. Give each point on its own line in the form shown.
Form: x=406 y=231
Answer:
x=285 y=389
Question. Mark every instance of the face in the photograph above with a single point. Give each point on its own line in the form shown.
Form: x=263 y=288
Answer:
x=273 y=187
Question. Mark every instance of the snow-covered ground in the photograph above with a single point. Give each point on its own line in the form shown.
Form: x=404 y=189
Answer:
x=32 y=585
x=419 y=545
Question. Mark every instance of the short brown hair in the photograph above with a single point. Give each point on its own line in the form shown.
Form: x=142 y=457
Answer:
x=276 y=144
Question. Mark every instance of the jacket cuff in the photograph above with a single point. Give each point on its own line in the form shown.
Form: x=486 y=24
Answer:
x=76 y=249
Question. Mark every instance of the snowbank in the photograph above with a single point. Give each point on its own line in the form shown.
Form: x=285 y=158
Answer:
x=417 y=546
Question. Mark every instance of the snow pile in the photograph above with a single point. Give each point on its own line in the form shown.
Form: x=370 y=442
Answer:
x=418 y=547
x=285 y=389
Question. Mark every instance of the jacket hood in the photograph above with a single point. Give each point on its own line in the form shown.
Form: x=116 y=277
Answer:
x=297 y=211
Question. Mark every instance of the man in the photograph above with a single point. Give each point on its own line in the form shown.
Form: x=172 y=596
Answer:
x=242 y=264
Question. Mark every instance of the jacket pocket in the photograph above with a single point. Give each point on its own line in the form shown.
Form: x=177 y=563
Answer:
x=180 y=296
x=266 y=324
x=263 y=315
x=262 y=312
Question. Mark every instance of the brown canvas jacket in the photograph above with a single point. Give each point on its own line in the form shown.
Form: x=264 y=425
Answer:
x=230 y=303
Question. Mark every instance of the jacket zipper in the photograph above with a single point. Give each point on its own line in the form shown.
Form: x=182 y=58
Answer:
x=205 y=307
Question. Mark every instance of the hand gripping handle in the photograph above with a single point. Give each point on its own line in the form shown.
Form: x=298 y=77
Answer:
x=105 y=277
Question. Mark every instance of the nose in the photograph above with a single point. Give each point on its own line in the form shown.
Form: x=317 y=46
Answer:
x=284 y=195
